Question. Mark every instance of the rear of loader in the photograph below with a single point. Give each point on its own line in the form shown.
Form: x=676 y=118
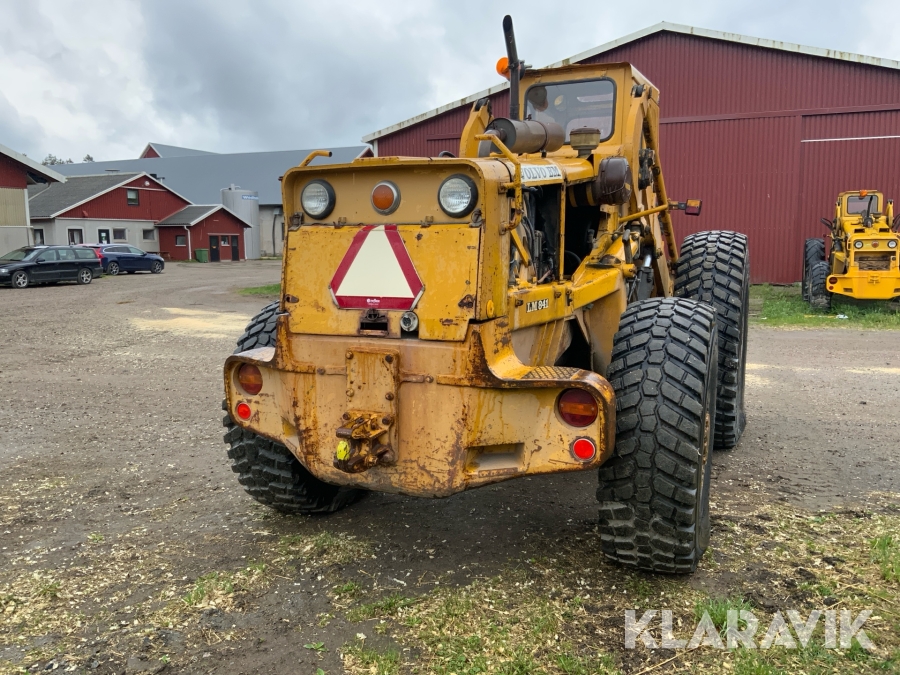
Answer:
x=521 y=309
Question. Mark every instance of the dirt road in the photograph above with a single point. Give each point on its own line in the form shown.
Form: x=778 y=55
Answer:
x=128 y=545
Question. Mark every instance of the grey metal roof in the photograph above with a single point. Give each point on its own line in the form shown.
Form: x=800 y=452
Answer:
x=656 y=28
x=175 y=151
x=46 y=201
x=191 y=215
x=36 y=172
x=201 y=178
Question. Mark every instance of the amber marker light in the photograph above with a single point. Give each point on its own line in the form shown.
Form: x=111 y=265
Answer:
x=385 y=198
x=503 y=67
x=577 y=407
x=250 y=379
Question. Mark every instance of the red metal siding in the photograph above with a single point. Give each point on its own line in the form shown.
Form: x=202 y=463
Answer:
x=155 y=204
x=12 y=175
x=149 y=153
x=219 y=223
x=733 y=120
x=745 y=171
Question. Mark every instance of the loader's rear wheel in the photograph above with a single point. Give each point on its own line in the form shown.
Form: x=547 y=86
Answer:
x=714 y=267
x=813 y=252
x=269 y=471
x=654 y=491
x=819 y=296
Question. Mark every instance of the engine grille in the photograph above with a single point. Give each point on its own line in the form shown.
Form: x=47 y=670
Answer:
x=874 y=262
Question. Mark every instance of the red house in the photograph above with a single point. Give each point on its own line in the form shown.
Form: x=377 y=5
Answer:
x=17 y=173
x=107 y=208
x=210 y=226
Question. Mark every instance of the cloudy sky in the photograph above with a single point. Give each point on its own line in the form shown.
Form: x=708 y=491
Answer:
x=239 y=76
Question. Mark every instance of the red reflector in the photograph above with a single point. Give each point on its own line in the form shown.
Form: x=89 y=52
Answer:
x=584 y=449
x=250 y=379
x=577 y=407
x=243 y=410
x=874 y=244
x=832 y=280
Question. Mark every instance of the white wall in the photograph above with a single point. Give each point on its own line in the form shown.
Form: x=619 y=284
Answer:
x=56 y=231
x=266 y=213
x=12 y=238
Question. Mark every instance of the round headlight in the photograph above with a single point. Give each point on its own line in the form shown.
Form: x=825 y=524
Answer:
x=892 y=243
x=857 y=244
x=317 y=199
x=386 y=197
x=458 y=196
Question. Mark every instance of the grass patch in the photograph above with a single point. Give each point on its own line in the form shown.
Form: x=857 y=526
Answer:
x=784 y=306
x=886 y=553
x=269 y=289
x=385 y=607
x=718 y=609
x=360 y=659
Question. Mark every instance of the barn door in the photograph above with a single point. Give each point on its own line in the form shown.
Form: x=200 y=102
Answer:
x=214 y=248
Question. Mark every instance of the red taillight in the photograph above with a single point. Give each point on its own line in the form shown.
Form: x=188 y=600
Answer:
x=832 y=280
x=243 y=411
x=250 y=379
x=577 y=407
x=583 y=449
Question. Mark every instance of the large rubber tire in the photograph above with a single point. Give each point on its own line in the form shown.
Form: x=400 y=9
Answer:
x=813 y=252
x=714 y=267
x=819 y=296
x=269 y=471
x=654 y=491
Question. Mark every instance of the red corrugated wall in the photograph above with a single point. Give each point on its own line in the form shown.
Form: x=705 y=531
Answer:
x=738 y=125
x=155 y=203
x=12 y=174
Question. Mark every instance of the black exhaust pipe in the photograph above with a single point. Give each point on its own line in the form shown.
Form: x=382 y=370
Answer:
x=515 y=66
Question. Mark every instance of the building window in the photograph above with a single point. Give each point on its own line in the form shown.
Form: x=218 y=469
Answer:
x=38 y=237
x=133 y=197
x=180 y=240
x=103 y=236
x=76 y=237
x=148 y=235
x=120 y=235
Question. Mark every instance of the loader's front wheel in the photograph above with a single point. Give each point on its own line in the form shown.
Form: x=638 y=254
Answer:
x=654 y=491
x=269 y=471
x=714 y=268
x=819 y=296
x=813 y=252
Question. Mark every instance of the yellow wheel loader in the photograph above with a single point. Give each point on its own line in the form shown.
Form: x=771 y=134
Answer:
x=519 y=309
x=862 y=263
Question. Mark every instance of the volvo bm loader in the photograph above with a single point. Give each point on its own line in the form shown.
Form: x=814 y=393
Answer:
x=862 y=263
x=519 y=309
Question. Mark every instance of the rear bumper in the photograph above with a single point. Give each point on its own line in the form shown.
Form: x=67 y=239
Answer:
x=456 y=415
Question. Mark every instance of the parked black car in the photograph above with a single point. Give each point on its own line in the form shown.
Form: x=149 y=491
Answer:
x=32 y=265
x=117 y=258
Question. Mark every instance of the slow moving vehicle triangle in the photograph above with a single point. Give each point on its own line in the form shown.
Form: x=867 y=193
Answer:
x=376 y=272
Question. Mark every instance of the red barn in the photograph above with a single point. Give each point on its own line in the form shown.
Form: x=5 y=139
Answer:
x=17 y=172
x=211 y=226
x=766 y=133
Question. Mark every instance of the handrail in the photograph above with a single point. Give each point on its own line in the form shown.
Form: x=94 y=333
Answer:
x=315 y=153
x=516 y=186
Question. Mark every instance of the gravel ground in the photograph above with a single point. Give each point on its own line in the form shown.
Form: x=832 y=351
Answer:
x=117 y=501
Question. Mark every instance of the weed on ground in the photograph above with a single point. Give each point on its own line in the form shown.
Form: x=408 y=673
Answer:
x=783 y=306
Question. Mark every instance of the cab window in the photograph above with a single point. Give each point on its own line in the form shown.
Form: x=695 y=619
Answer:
x=573 y=105
x=857 y=205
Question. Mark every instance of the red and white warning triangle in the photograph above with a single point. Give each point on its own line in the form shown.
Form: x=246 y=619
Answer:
x=376 y=272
